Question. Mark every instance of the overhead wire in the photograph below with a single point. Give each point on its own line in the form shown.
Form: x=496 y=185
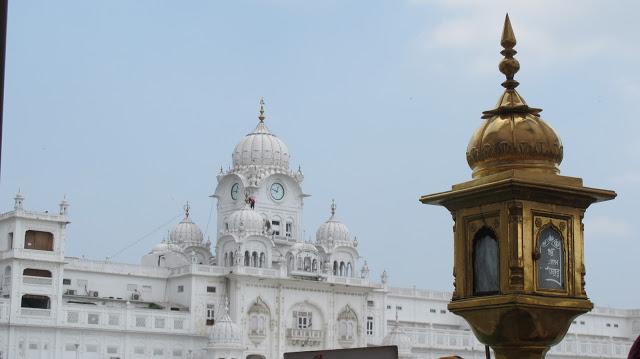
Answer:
x=146 y=235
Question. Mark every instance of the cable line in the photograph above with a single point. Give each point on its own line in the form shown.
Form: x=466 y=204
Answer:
x=146 y=235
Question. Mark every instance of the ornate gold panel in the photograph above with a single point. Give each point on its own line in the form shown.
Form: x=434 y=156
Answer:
x=545 y=223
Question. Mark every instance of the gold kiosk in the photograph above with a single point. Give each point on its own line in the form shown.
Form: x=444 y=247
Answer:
x=518 y=233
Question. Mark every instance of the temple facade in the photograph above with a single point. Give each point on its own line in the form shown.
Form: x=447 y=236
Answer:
x=259 y=291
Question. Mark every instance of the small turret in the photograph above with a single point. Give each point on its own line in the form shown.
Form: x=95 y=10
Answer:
x=18 y=199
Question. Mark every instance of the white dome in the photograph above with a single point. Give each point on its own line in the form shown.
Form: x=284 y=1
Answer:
x=333 y=231
x=225 y=333
x=261 y=148
x=399 y=338
x=160 y=247
x=186 y=232
x=247 y=220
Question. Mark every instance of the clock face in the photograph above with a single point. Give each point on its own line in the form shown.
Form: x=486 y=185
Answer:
x=235 y=191
x=277 y=191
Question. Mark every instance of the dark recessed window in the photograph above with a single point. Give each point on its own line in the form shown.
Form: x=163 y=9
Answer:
x=432 y=310
x=35 y=301
x=180 y=288
x=66 y=281
x=486 y=262
x=211 y=289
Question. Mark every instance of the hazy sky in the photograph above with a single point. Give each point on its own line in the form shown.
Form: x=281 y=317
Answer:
x=131 y=107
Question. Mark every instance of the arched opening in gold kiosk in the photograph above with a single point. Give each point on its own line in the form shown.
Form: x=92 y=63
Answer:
x=486 y=262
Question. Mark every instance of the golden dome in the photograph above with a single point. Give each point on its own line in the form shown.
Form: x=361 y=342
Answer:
x=513 y=136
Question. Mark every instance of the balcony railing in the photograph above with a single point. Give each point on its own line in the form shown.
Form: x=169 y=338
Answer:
x=27 y=279
x=304 y=336
x=35 y=312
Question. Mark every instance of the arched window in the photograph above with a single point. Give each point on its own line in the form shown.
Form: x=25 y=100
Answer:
x=314 y=265
x=254 y=259
x=349 y=270
x=342 y=332
x=247 y=259
x=290 y=262
x=335 y=267
x=262 y=260
x=299 y=263
x=7 y=276
x=288 y=229
x=38 y=240
x=486 y=263
x=226 y=259
x=231 y=259
x=342 y=269
x=346 y=324
x=307 y=264
x=550 y=260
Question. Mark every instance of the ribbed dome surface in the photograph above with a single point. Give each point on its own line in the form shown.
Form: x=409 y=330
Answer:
x=513 y=139
x=246 y=219
x=225 y=333
x=161 y=247
x=261 y=148
x=186 y=232
x=333 y=232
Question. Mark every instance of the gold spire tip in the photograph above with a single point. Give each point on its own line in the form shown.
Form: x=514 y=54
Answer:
x=508 y=39
x=261 y=117
x=508 y=65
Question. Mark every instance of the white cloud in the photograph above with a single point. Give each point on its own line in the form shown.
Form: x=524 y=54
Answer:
x=550 y=32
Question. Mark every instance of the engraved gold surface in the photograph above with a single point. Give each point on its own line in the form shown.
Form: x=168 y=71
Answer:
x=516 y=192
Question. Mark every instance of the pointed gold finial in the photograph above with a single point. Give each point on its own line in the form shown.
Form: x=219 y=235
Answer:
x=261 y=117
x=508 y=66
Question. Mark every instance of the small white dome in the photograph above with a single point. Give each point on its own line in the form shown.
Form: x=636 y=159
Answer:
x=333 y=232
x=186 y=232
x=399 y=338
x=247 y=220
x=160 y=247
x=225 y=333
x=261 y=147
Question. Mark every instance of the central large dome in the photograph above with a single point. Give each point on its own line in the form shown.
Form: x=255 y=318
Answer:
x=261 y=148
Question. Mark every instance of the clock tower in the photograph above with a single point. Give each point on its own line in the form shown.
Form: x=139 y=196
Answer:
x=260 y=180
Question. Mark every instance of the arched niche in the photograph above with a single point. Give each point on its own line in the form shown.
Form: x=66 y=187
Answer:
x=550 y=263
x=486 y=262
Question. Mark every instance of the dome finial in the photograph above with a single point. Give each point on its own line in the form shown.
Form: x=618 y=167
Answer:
x=508 y=66
x=187 y=208
x=333 y=207
x=261 y=117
